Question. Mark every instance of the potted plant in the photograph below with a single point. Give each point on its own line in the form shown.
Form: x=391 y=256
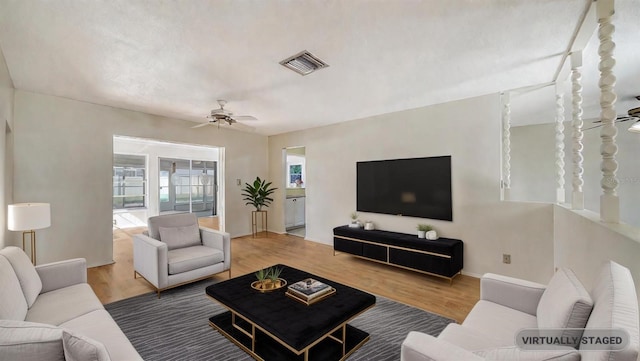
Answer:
x=355 y=223
x=423 y=229
x=274 y=276
x=257 y=194
x=268 y=279
x=261 y=276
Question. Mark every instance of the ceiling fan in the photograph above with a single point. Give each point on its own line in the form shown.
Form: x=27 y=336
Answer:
x=223 y=116
x=632 y=115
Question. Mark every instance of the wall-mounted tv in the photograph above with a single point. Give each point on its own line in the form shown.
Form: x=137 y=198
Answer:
x=416 y=187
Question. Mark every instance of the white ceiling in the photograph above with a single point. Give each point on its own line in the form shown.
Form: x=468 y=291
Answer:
x=175 y=58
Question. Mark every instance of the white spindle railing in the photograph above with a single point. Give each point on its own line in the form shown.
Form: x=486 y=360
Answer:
x=560 y=197
x=577 y=196
x=609 y=201
x=506 y=146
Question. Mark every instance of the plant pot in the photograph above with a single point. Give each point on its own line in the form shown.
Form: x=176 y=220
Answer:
x=431 y=235
x=268 y=285
x=421 y=234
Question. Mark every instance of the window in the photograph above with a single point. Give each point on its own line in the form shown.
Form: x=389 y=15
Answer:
x=188 y=185
x=295 y=171
x=129 y=181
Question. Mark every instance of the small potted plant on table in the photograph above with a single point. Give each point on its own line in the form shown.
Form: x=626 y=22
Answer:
x=423 y=229
x=355 y=223
x=268 y=279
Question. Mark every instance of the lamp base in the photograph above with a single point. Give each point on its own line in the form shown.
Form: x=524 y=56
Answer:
x=33 y=244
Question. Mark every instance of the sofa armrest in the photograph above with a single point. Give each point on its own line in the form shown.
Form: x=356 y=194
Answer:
x=419 y=346
x=151 y=260
x=218 y=240
x=511 y=292
x=62 y=274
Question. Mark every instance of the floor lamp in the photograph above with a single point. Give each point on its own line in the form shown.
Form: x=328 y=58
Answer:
x=27 y=217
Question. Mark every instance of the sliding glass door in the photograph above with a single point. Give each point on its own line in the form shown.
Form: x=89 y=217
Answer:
x=188 y=185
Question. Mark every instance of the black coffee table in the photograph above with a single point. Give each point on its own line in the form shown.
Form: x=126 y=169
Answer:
x=272 y=326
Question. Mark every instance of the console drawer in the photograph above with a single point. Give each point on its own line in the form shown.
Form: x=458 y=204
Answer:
x=374 y=251
x=348 y=246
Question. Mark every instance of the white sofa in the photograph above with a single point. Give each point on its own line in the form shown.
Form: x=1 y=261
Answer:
x=49 y=312
x=508 y=305
x=176 y=250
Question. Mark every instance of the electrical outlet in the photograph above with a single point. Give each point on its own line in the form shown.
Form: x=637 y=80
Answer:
x=506 y=258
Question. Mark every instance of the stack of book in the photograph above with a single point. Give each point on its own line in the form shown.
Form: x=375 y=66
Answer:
x=309 y=290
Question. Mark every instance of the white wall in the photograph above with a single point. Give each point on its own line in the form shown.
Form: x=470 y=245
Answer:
x=533 y=172
x=6 y=148
x=63 y=155
x=583 y=243
x=468 y=130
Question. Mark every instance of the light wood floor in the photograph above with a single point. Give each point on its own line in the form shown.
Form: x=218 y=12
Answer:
x=115 y=282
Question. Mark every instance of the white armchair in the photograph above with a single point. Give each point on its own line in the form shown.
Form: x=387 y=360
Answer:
x=176 y=250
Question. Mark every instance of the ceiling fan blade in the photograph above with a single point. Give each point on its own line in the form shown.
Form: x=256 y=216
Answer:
x=619 y=119
x=242 y=127
x=244 y=117
x=200 y=125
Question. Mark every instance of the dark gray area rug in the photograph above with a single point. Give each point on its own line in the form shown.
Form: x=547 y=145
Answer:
x=176 y=326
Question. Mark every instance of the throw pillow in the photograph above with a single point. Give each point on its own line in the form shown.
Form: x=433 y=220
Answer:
x=180 y=237
x=30 y=341
x=27 y=275
x=564 y=304
x=13 y=304
x=81 y=348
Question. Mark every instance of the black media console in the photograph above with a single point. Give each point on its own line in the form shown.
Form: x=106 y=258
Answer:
x=441 y=258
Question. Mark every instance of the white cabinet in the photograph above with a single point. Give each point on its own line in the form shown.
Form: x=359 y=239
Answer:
x=294 y=212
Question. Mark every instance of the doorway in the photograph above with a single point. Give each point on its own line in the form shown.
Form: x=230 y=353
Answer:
x=295 y=195
x=163 y=177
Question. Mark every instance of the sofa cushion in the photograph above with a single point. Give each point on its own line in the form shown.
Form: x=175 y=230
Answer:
x=64 y=304
x=180 y=237
x=467 y=338
x=100 y=326
x=615 y=306
x=81 y=348
x=564 y=304
x=26 y=272
x=28 y=341
x=498 y=322
x=190 y=258
x=13 y=304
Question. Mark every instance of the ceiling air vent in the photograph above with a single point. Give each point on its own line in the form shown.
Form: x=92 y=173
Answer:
x=304 y=63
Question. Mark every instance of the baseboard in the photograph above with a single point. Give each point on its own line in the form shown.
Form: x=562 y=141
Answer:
x=476 y=275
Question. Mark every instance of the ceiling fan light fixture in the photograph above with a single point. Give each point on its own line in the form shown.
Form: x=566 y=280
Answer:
x=304 y=63
x=635 y=127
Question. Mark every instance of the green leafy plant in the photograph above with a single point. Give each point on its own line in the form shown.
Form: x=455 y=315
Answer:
x=424 y=227
x=257 y=194
x=354 y=216
x=274 y=273
x=262 y=274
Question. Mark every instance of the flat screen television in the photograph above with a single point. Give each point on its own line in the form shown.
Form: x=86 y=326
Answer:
x=415 y=187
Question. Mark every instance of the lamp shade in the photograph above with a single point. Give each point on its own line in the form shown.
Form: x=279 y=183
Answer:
x=28 y=216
